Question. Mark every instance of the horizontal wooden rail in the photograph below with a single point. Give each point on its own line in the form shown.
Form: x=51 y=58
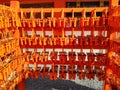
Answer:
x=97 y=9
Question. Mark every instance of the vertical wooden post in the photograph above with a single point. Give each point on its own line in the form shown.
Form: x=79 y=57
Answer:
x=21 y=85
x=52 y=14
x=15 y=4
x=17 y=33
x=84 y=13
x=107 y=85
x=62 y=13
x=101 y=3
x=73 y=14
x=77 y=3
x=42 y=14
x=59 y=4
x=114 y=3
